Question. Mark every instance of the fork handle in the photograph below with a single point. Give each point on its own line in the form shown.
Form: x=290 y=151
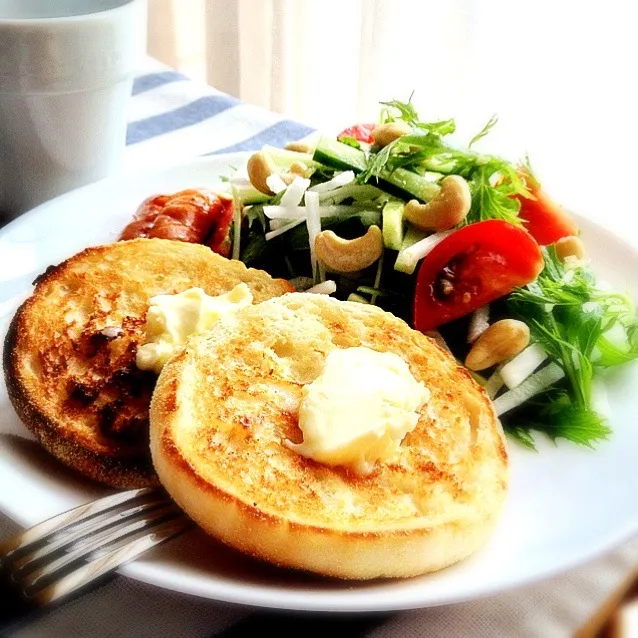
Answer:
x=17 y=610
x=14 y=607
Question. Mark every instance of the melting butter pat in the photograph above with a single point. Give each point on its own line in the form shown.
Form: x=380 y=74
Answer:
x=171 y=319
x=359 y=409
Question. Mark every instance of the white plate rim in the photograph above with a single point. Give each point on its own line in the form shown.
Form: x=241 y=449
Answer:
x=348 y=599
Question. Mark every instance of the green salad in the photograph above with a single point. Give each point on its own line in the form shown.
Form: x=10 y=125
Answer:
x=465 y=246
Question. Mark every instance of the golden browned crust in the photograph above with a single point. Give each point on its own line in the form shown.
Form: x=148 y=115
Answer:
x=224 y=407
x=69 y=354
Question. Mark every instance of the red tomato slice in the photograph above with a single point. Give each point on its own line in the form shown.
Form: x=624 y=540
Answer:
x=545 y=220
x=473 y=266
x=360 y=132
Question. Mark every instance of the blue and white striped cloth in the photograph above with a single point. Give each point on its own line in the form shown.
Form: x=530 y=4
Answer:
x=172 y=118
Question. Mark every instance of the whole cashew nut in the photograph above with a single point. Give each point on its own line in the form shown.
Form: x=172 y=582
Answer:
x=570 y=247
x=260 y=168
x=298 y=147
x=349 y=255
x=384 y=134
x=499 y=342
x=449 y=207
x=300 y=169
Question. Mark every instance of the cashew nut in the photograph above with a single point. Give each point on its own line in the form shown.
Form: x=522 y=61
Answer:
x=349 y=255
x=300 y=169
x=260 y=168
x=570 y=247
x=384 y=134
x=448 y=207
x=298 y=147
x=499 y=342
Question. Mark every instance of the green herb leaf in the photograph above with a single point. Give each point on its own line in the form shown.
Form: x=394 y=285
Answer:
x=492 y=201
x=494 y=182
x=557 y=416
x=397 y=110
x=552 y=307
x=521 y=434
x=571 y=318
x=350 y=141
x=484 y=131
x=255 y=215
x=612 y=355
x=254 y=249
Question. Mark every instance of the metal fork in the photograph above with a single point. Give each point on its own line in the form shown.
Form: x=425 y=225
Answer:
x=68 y=553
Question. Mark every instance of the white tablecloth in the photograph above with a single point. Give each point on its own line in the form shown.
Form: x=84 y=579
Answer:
x=173 y=118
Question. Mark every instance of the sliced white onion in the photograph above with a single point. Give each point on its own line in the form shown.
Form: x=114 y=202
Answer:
x=422 y=248
x=522 y=365
x=411 y=256
x=532 y=386
x=283 y=229
x=275 y=183
x=324 y=288
x=479 y=323
x=493 y=384
x=299 y=212
x=295 y=192
x=276 y=224
x=341 y=179
x=240 y=176
x=359 y=192
x=313 y=222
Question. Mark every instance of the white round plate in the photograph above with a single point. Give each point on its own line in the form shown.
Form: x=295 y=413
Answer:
x=567 y=503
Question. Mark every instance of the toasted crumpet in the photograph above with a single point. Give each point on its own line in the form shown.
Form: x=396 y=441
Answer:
x=69 y=355
x=225 y=406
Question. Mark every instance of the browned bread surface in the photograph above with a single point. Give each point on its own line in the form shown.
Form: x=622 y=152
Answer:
x=69 y=356
x=226 y=404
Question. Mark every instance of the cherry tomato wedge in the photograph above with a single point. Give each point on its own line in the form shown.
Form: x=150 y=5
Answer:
x=545 y=220
x=360 y=132
x=473 y=266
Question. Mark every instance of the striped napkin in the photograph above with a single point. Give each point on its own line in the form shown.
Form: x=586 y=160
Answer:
x=172 y=118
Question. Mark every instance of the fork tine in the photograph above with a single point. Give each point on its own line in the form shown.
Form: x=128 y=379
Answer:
x=85 y=527
x=61 y=521
x=106 y=563
x=102 y=540
x=105 y=540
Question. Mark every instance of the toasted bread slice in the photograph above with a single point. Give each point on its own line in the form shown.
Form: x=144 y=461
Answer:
x=225 y=406
x=69 y=356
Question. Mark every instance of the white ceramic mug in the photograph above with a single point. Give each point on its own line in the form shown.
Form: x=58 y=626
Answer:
x=66 y=72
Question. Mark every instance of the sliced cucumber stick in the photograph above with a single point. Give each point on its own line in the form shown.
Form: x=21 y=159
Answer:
x=400 y=182
x=405 y=263
x=393 y=225
x=333 y=153
x=248 y=194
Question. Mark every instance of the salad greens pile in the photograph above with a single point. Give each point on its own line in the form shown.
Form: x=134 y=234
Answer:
x=585 y=330
x=578 y=327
